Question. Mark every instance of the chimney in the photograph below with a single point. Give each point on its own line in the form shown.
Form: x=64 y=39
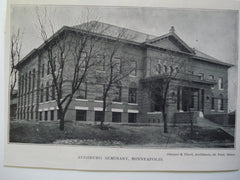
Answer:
x=172 y=29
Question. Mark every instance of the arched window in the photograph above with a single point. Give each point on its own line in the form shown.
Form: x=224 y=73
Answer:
x=220 y=83
x=158 y=69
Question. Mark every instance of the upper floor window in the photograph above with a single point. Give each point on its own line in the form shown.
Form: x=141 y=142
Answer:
x=33 y=79
x=117 y=93
x=100 y=91
x=101 y=63
x=165 y=69
x=47 y=91
x=42 y=70
x=26 y=79
x=48 y=68
x=53 y=91
x=83 y=60
x=41 y=94
x=220 y=83
x=201 y=75
x=82 y=91
x=117 y=66
x=211 y=77
x=132 y=94
x=158 y=69
x=29 y=83
x=133 y=68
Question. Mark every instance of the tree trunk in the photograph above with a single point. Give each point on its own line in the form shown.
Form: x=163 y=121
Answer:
x=61 y=116
x=104 y=108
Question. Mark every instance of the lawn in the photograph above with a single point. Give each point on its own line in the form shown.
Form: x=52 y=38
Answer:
x=118 y=135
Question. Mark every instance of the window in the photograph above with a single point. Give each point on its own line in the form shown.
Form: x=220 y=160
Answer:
x=42 y=70
x=52 y=115
x=29 y=83
x=165 y=69
x=48 y=68
x=117 y=65
x=40 y=116
x=211 y=77
x=101 y=63
x=100 y=91
x=82 y=91
x=81 y=115
x=132 y=117
x=116 y=117
x=41 y=94
x=117 y=93
x=220 y=83
x=158 y=69
x=46 y=116
x=133 y=68
x=171 y=69
x=220 y=103
x=33 y=79
x=212 y=103
x=83 y=60
x=26 y=79
x=201 y=75
x=47 y=91
x=132 y=95
x=53 y=92
x=99 y=115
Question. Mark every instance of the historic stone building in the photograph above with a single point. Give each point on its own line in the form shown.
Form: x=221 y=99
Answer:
x=201 y=86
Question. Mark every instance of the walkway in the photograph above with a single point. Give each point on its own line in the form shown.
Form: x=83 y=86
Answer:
x=202 y=122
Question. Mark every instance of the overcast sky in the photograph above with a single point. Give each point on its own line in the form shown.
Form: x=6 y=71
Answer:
x=214 y=32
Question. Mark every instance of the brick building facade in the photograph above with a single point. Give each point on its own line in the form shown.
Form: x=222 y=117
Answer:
x=204 y=79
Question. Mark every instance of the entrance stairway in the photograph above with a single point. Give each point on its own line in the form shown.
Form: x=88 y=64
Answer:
x=202 y=122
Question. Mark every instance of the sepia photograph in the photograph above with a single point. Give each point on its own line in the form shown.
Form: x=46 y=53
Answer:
x=123 y=77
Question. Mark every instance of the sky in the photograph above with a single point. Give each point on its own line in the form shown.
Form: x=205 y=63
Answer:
x=214 y=32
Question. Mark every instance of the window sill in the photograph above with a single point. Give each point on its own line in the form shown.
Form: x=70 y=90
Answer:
x=100 y=101
x=212 y=110
x=114 y=102
x=81 y=99
x=220 y=110
x=135 y=104
x=132 y=75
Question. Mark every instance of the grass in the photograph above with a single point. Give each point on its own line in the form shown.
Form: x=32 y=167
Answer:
x=118 y=135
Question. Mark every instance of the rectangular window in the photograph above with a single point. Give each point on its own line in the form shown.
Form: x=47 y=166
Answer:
x=101 y=63
x=132 y=96
x=117 y=94
x=212 y=103
x=133 y=68
x=116 y=117
x=46 y=116
x=53 y=92
x=117 y=65
x=99 y=115
x=42 y=70
x=41 y=95
x=40 y=116
x=81 y=115
x=82 y=91
x=221 y=105
x=201 y=75
x=220 y=83
x=100 y=91
x=47 y=92
x=132 y=117
x=48 y=68
x=52 y=115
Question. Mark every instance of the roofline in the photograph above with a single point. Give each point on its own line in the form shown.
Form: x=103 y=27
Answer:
x=213 y=61
x=31 y=53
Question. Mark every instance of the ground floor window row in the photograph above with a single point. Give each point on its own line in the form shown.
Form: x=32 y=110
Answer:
x=81 y=115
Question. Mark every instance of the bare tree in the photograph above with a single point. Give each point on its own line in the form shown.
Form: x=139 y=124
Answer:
x=159 y=86
x=16 y=46
x=70 y=55
x=117 y=67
